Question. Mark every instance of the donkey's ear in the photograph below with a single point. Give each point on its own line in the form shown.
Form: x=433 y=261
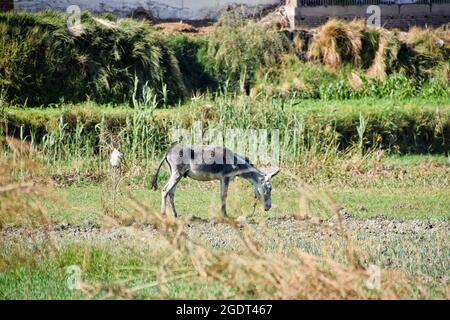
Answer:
x=273 y=173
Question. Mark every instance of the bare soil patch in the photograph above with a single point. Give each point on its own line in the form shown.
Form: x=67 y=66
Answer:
x=218 y=233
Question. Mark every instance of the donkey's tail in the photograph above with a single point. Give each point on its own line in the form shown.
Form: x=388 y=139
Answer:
x=154 y=185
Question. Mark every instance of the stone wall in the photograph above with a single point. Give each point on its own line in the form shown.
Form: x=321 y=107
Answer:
x=400 y=16
x=160 y=9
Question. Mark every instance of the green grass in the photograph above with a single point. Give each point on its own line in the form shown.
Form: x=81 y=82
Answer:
x=83 y=204
x=113 y=265
x=396 y=203
x=44 y=281
x=411 y=159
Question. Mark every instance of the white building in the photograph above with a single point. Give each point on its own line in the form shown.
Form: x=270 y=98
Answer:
x=160 y=9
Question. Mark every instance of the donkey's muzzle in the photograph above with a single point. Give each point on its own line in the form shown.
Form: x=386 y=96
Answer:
x=267 y=205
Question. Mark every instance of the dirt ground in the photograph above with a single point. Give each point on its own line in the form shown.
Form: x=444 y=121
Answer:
x=222 y=235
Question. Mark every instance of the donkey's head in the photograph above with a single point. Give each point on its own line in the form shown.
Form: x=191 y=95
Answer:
x=264 y=189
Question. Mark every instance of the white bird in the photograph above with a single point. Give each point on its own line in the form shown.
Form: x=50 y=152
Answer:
x=115 y=158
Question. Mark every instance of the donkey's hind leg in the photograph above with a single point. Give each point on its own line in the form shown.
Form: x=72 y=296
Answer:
x=168 y=189
x=172 y=201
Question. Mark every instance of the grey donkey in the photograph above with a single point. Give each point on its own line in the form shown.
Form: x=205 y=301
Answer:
x=207 y=163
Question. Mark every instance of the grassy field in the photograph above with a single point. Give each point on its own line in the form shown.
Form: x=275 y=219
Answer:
x=397 y=222
x=84 y=203
x=343 y=204
x=421 y=192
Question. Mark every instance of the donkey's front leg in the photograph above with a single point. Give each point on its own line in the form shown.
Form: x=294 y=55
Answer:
x=224 y=183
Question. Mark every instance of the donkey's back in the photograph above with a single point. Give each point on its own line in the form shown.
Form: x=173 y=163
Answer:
x=203 y=162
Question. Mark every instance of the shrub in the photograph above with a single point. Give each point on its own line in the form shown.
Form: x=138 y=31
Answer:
x=292 y=78
x=42 y=62
x=240 y=47
x=438 y=85
x=196 y=67
x=113 y=61
x=394 y=86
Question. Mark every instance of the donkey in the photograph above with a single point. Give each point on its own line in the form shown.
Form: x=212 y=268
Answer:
x=207 y=163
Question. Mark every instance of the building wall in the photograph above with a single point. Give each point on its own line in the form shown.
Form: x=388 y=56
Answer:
x=161 y=9
x=6 y=5
x=392 y=16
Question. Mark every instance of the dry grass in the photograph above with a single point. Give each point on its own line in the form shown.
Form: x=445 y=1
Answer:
x=443 y=33
x=425 y=41
x=21 y=189
x=176 y=27
x=336 y=42
x=418 y=53
x=355 y=81
x=257 y=273
x=387 y=48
